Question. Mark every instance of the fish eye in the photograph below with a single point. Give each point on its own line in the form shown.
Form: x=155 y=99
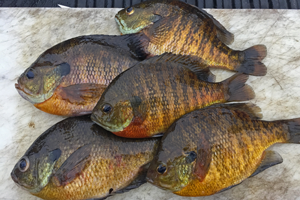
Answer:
x=30 y=74
x=161 y=169
x=106 y=108
x=191 y=157
x=130 y=10
x=23 y=164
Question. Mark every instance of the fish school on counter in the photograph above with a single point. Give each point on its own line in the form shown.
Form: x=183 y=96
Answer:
x=148 y=109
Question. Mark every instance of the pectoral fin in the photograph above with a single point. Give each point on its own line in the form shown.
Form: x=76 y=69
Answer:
x=73 y=166
x=270 y=158
x=82 y=93
x=203 y=158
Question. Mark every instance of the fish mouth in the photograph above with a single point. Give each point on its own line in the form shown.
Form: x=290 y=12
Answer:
x=16 y=180
x=118 y=21
x=28 y=97
x=22 y=92
x=105 y=126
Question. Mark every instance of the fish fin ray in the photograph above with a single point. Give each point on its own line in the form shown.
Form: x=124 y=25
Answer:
x=73 y=166
x=223 y=190
x=251 y=61
x=294 y=130
x=204 y=156
x=190 y=62
x=82 y=93
x=270 y=158
x=158 y=135
x=251 y=109
x=236 y=89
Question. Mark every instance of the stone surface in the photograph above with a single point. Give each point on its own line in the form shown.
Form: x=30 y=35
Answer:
x=26 y=33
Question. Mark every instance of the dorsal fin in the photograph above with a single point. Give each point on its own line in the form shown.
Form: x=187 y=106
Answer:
x=190 y=62
x=251 y=109
x=222 y=33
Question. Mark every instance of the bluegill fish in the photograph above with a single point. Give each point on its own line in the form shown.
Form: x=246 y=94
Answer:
x=179 y=28
x=69 y=78
x=215 y=148
x=77 y=159
x=146 y=99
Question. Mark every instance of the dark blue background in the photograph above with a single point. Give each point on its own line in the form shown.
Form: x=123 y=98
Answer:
x=265 y=4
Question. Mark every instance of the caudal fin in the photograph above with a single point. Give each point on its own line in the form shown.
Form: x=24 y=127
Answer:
x=251 y=61
x=235 y=88
x=294 y=130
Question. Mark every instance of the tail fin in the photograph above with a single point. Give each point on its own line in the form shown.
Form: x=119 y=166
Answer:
x=251 y=61
x=294 y=130
x=235 y=88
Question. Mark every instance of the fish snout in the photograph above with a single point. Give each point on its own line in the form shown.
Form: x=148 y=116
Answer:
x=17 y=86
x=14 y=177
x=151 y=175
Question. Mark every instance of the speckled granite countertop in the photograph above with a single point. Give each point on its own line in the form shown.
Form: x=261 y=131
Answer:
x=26 y=33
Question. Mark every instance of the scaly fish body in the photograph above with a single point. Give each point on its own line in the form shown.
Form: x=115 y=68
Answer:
x=215 y=148
x=69 y=78
x=179 y=28
x=77 y=159
x=146 y=99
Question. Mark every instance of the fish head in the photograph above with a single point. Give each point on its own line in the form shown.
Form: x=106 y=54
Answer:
x=135 y=18
x=172 y=169
x=111 y=115
x=39 y=81
x=33 y=171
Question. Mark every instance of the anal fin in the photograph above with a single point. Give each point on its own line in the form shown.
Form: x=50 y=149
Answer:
x=270 y=158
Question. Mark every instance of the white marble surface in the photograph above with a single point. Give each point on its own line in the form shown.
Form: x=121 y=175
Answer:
x=25 y=33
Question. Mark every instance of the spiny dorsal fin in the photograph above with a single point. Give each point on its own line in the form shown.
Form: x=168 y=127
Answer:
x=250 y=109
x=224 y=35
x=190 y=62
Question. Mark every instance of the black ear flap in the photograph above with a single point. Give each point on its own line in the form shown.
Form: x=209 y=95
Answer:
x=191 y=157
x=136 y=101
x=156 y=18
x=54 y=155
x=64 y=69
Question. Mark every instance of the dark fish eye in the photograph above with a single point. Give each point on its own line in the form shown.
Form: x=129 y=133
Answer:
x=129 y=10
x=191 y=157
x=161 y=169
x=30 y=74
x=23 y=164
x=106 y=108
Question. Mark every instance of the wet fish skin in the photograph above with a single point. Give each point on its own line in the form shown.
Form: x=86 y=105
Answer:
x=147 y=98
x=229 y=142
x=77 y=159
x=179 y=28
x=69 y=78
